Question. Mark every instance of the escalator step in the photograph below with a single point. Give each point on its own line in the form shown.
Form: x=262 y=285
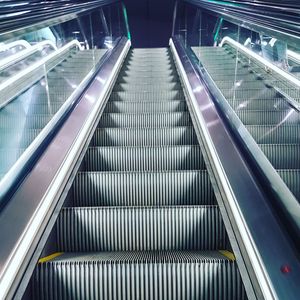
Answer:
x=144 y=158
x=8 y=157
x=241 y=84
x=261 y=117
x=266 y=93
x=34 y=109
x=239 y=76
x=147 y=79
x=145 y=107
x=147 y=96
x=140 y=229
x=144 y=87
x=143 y=68
x=145 y=120
x=139 y=188
x=283 y=156
x=29 y=122
x=144 y=136
x=259 y=104
x=139 y=275
x=264 y=134
x=292 y=180
x=12 y=139
x=148 y=73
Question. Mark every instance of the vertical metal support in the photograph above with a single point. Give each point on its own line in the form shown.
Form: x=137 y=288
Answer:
x=174 y=17
x=217 y=30
x=104 y=22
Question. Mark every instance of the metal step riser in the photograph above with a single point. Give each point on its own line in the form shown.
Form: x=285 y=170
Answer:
x=144 y=159
x=142 y=189
x=138 y=107
x=24 y=139
x=148 y=280
x=259 y=105
x=283 y=156
x=8 y=157
x=145 y=120
x=268 y=118
x=140 y=229
x=148 y=80
x=144 y=137
x=150 y=63
x=275 y=135
x=218 y=72
x=149 y=97
x=220 y=78
x=148 y=73
x=124 y=87
x=240 y=84
x=31 y=122
x=292 y=180
x=266 y=94
x=36 y=109
x=155 y=69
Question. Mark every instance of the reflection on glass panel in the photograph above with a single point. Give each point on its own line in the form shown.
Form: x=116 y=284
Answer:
x=258 y=75
x=43 y=71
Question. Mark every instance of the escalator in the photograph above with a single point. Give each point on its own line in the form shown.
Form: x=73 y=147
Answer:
x=256 y=96
x=24 y=117
x=141 y=219
x=125 y=173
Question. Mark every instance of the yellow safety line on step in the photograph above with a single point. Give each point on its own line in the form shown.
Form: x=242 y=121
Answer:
x=49 y=257
x=228 y=254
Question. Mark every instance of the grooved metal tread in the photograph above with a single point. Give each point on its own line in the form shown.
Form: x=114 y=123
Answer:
x=140 y=275
x=142 y=188
x=140 y=228
x=141 y=257
x=147 y=87
x=144 y=158
x=147 y=96
x=145 y=119
x=152 y=136
x=145 y=107
x=274 y=134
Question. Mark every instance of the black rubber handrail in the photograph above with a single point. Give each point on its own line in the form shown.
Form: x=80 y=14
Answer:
x=16 y=17
x=279 y=19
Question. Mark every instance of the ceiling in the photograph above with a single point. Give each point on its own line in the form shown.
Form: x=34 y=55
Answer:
x=150 y=22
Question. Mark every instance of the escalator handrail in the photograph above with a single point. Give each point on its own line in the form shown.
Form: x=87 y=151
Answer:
x=286 y=76
x=280 y=19
x=34 y=15
x=43 y=186
x=7 y=62
x=34 y=67
x=261 y=238
x=22 y=43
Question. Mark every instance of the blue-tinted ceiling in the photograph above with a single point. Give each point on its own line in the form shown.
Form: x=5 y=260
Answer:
x=150 y=22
